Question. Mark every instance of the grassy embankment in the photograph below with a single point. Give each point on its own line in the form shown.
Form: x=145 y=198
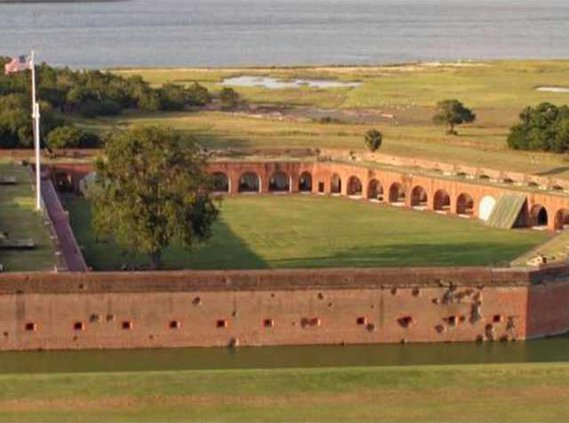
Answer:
x=304 y=231
x=20 y=220
x=496 y=90
x=521 y=392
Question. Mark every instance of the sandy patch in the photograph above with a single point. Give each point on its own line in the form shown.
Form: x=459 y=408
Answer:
x=553 y=89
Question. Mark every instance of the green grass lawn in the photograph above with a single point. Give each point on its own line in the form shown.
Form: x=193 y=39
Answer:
x=520 y=392
x=310 y=231
x=504 y=85
x=19 y=219
x=497 y=91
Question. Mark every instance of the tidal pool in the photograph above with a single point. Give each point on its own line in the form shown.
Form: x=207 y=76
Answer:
x=279 y=84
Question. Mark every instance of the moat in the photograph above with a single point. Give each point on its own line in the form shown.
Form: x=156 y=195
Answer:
x=547 y=350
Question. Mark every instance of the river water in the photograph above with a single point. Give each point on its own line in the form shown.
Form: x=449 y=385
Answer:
x=537 y=351
x=283 y=32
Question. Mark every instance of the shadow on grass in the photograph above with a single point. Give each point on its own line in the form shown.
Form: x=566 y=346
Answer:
x=554 y=171
x=423 y=255
x=224 y=250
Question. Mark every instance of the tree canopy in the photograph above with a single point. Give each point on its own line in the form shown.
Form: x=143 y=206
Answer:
x=86 y=93
x=373 y=139
x=451 y=113
x=151 y=193
x=229 y=98
x=545 y=128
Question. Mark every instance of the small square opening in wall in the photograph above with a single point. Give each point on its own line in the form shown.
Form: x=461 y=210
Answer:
x=452 y=321
x=221 y=324
x=174 y=324
x=497 y=318
x=268 y=323
x=313 y=322
x=31 y=327
x=79 y=326
x=361 y=321
x=126 y=325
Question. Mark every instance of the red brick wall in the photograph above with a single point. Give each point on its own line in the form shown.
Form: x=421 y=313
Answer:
x=181 y=309
x=322 y=172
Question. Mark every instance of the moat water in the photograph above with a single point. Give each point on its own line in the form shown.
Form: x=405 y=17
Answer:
x=283 y=32
x=538 y=351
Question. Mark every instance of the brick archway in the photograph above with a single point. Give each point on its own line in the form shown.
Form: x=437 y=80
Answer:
x=279 y=181
x=249 y=182
x=305 y=182
x=63 y=181
x=355 y=186
x=465 y=205
x=419 y=197
x=441 y=201
x=562 y=219
x=336 y=184
x=538 y=216
x=397 y=193
x=220 y=182
x=375 y=190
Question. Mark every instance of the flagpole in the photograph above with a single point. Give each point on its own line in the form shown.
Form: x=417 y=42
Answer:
x=36 y=125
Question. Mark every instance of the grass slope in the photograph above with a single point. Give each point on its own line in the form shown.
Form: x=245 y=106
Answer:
x=527 y=392
x=309 y=231
x=497 y=91
x=19 y=218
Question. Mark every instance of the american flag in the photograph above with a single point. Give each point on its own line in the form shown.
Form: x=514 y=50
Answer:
x=18 y=64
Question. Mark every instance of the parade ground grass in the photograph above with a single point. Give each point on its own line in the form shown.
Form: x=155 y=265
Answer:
x=505 y=392
x=306 y=231
x=20 y=220
x=497 y=91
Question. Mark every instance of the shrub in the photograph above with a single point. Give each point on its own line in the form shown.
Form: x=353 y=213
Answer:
x=229 y=98
x=373 y=139
x=543 y=128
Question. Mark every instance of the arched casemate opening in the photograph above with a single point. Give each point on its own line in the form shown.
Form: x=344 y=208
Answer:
x=538 y=216
x=375 y=190
x=219 y=182
x=396 y=193
x=486 y=207
x=249 y=182
x=562 y=219
x=442 y=201
x=419 y=197
x=63 y=181
x=279 y=182
x=305 y=182
x=465 y=205
x=336 y=184
x=355 y=186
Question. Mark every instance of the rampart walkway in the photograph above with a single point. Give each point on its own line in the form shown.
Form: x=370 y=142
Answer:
x=73 y=257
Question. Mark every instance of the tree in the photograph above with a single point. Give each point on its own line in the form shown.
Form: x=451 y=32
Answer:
x=452 y=113
x=545 y=128
x=67 y=136
x=373 y=139
x=198 y=95
x=149 y=101
x=173 y=97
x=229 y=98
x=151 y=193
x=15 y=121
